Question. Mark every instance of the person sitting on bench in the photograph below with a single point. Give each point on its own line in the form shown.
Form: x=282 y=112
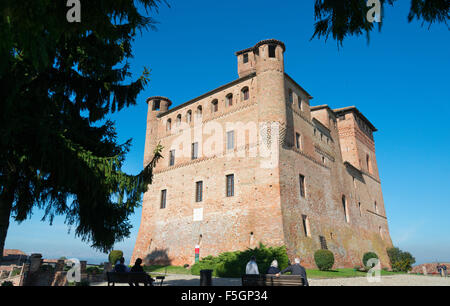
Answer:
x=296 y=269
x=120 y=266
x=137 y=268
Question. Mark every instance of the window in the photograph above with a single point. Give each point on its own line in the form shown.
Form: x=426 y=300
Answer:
x=199 y=112
x=302 y=186
x=376 y=207
x=272 y=49
x=298 y=141
x=214 y=106
x=163 y=198
x=245 y=94
x=369 y=166
x=344 y=206
x=245 y=58
x=360 y=210
x=323 y=160
x=178 y=120
x=189 y=116
x=194 y=153
x=156 y=105
x=229 y=99
x=306 y=225
x=169 y=125
x=230 y=185
x=291 y=96
x=323 y=243
x=199 y=191
x=230 y=140
x=299 y=101
x=172 y=158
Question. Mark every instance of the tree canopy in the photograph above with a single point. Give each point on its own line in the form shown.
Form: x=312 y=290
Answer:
x=60 y=81
x=342 y=18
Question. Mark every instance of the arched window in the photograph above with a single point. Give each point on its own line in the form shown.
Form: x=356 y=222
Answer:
x=178 y=120
x=169 y=125
x=199 y=112
x=344 y=206
x=189 y=116
x=229 y=99
x=214 y=106
x=245 y=94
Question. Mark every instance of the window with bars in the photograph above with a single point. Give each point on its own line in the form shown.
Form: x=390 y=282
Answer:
x=302 y=186
x=199 y=191
x=194 y=153
x=172 y=158
x=163 y=198
x=323 y=243
x=230 y=185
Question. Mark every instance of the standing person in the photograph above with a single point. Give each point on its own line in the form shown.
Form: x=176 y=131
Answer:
x=444 y=270
x=439 y=269
x=296 y=269
x=252 y=267
x=273 y=269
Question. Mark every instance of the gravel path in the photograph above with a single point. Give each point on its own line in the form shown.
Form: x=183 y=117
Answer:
x=396 y=280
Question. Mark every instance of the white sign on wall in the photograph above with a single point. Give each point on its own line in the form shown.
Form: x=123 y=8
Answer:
x=198 y=214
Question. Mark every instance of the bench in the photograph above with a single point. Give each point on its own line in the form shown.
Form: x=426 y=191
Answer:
x=272 y=280
x=130 y=278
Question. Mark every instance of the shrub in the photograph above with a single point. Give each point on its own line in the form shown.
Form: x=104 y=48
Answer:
x=400 y=261
x=233 y=264
x=93 y=270
x=324 y=259
x=7 y=284
x=114 y=256
x=367 y=257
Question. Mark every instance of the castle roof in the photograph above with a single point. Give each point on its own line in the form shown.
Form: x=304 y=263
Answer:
x=263 y=42
x=159 y=98
x=353 y=109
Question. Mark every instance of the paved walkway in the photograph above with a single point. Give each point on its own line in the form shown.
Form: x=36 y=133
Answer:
x=396 y=280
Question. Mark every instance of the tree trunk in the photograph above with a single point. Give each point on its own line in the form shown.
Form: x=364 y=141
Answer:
x=6 y=201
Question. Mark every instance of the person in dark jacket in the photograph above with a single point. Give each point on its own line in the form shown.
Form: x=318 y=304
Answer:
x=273 y=269
x=296 y=269
x=120 y=266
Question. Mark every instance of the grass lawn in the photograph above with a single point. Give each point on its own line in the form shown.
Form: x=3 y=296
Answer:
x=341 y=273
x=167 y=269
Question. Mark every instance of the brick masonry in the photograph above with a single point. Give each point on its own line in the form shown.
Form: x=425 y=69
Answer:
x=336 y=155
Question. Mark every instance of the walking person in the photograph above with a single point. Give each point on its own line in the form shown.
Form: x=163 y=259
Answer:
x=252 y=267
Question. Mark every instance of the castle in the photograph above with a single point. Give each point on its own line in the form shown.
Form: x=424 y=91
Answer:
x=252 y=161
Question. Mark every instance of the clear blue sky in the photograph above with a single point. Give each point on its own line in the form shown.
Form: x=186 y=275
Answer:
x=400 y=81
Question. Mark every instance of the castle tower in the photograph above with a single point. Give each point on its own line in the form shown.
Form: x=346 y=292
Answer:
x=156 y=105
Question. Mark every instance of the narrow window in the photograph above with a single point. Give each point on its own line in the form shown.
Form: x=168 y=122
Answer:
x=245 y=94
x=230 y=140
x=245 y=60
x=178 y=120
x=230 y=100
x=272 y=50
x=368 y=163
x=199 y=191
x=199 y=112
x=302 y=186
x=214 y=106
x=156 y=105
x=172 y=158
x=344 y=206
x=291 y=96
x=323 y=159
x=298 y=141
x=305 y=222
x=376 y=207
x=194 y=153
x=169 y=125
x=323 y=243
x=189 y=116
x=300 y=106
x=230 y=185
x=163 y=198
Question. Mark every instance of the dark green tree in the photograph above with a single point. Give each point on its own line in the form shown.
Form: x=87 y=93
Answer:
x=59 y=82
x=343 y=18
